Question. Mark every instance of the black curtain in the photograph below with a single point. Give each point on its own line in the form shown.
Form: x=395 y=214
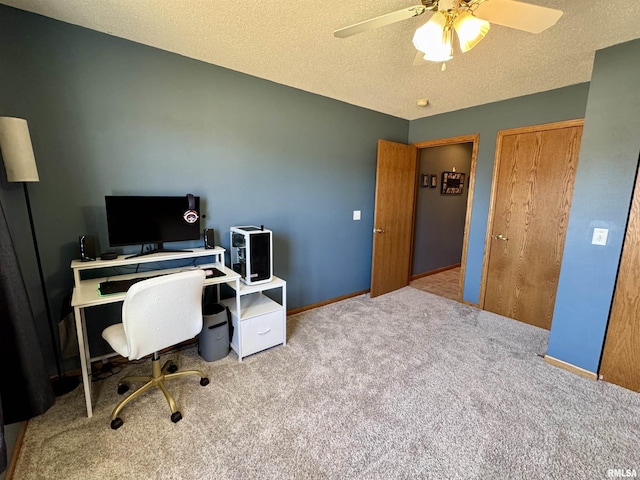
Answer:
x=25 y=389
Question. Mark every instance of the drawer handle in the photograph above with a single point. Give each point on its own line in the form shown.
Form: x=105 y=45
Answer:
x=265 y=332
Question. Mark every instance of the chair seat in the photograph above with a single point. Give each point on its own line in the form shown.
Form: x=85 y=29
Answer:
x=116 y=337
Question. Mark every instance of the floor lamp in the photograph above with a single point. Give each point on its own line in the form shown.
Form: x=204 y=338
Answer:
x=20 y=164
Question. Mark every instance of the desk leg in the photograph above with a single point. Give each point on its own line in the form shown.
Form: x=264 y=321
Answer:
x=239 y=316
x=83 y=348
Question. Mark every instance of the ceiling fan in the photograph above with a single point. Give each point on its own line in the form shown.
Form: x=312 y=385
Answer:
x=469 y=19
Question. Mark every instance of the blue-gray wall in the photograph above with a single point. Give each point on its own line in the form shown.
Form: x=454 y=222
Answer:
x=109 y=116
x=439 y=227
x=553 y=106
x=601 y=199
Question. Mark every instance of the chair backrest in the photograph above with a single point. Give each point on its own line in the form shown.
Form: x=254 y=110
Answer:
x=162 y=312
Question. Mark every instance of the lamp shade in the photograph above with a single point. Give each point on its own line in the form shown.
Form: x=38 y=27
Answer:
x=470 y=30
x=434 y=39
x=17 y=151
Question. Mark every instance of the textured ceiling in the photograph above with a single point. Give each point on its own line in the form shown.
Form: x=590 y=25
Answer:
x=292 y=43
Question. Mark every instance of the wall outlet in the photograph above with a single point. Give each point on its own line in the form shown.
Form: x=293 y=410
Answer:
x=599 y=236
x=356 y=214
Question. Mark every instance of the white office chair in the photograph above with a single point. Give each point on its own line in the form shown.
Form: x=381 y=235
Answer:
x=156 y=314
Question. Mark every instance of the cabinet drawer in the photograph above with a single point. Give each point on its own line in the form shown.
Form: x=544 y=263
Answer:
x=261 y=332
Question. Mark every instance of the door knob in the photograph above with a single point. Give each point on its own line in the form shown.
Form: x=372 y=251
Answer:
x=501 y=237
x=378 y=230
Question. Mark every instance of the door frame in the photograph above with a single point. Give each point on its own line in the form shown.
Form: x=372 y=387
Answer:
x=475 y=139
x=494 y=188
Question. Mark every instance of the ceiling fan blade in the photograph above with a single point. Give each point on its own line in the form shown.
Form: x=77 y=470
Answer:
x=380 y=21
x=518 y=15
x=419 y=60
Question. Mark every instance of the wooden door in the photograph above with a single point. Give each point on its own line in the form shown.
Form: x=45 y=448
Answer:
x=532 y=190
x=393 y=218
x=621 y=356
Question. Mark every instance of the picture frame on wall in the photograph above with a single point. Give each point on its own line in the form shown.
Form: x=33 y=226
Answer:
x=433 y=181
x=425 y=179
x=452 y=183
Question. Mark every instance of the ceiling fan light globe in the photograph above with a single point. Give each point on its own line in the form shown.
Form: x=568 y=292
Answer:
x=431 y=40
x=441 y=56
x=470 y=30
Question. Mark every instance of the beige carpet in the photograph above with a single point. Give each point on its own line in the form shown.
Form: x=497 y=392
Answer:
x=407 y=385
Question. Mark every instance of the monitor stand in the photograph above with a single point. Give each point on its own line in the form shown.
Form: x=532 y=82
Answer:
x=159 y=249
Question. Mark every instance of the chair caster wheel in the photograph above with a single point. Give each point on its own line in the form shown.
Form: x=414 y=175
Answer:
x=172 y=368
x=204 y=381
x=116 y=423
x=123 y=388
x=176 y=417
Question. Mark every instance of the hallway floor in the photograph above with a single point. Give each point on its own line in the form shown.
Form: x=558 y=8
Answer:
x=443 y=284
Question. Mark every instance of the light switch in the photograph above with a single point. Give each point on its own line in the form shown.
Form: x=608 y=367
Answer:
x=600 y=236
x=356 y=214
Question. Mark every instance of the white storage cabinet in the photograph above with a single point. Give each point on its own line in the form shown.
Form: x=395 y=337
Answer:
x=262 y=322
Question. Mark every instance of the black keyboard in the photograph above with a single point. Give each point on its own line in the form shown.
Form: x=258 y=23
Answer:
x=120 y=286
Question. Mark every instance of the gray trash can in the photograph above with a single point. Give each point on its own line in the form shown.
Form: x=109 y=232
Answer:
x=213 y=341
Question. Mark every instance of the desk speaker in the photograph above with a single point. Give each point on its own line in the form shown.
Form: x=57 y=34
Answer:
x=87 y=248
x=209 y=242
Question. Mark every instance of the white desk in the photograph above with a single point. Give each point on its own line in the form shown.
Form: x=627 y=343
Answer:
x=85 y=293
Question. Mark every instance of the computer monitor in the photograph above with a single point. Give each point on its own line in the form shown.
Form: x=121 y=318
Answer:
x=140 y=220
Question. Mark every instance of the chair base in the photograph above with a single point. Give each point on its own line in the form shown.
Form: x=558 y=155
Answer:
x=157 y=379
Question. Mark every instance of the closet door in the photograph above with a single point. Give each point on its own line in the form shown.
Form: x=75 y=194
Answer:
x=533 y=186
x=621 y=356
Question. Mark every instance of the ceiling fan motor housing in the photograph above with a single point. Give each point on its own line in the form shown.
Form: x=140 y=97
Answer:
x=430 y=4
